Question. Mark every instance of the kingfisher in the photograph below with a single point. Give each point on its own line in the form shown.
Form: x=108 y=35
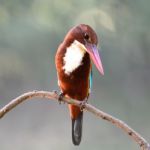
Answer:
x=73 y=61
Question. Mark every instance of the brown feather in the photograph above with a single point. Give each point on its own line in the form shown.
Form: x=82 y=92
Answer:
x=76 y=84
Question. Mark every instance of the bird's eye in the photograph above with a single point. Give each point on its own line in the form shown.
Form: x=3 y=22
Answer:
x=86 y=36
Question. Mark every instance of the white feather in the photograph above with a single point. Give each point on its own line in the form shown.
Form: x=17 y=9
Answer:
x=73 y=57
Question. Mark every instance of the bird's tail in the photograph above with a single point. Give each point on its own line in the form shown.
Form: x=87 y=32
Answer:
x=77 y=129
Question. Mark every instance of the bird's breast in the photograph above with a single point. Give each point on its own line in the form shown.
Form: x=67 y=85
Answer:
x=76 y=83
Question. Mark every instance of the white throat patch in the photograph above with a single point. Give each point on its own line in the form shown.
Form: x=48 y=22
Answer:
x=73 y=57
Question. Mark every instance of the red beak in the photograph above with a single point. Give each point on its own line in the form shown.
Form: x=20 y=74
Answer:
x=93 y=52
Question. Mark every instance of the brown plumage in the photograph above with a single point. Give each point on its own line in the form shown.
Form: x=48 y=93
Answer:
x=75 y=85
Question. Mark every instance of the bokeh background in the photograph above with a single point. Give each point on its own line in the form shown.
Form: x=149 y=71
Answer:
x=30 y=32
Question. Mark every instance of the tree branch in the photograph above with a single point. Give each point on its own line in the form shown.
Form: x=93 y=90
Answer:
x=144 y=145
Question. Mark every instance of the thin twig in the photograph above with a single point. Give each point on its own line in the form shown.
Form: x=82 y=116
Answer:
x=144 y=145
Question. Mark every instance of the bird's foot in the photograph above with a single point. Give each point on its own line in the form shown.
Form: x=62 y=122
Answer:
x=83 y=103
x=60 y=98
x=55 y=92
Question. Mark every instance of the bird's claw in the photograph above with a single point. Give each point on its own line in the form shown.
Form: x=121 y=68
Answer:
x=55 y=92
x=60 y=98
x=82 y=104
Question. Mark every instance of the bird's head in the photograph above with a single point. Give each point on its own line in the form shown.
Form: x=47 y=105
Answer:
x=85 y=38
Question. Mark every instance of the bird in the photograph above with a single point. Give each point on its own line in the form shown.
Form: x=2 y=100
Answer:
x=73 y=61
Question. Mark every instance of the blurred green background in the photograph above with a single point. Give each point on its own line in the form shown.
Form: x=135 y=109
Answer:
x=30 y=32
